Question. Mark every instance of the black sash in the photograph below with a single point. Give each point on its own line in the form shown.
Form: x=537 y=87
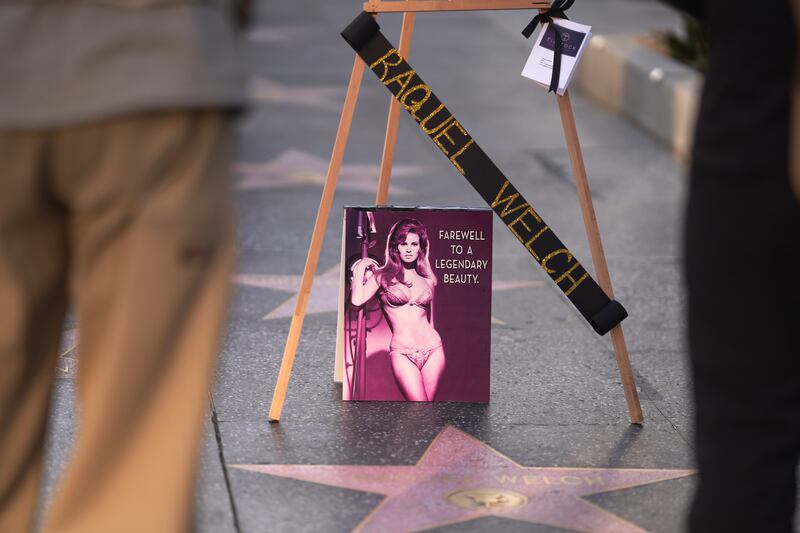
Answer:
x=364 y=35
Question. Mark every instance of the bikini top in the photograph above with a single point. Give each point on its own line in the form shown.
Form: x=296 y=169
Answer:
x=393 y=296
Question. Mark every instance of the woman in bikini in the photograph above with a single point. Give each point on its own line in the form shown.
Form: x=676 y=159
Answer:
x=405 y=284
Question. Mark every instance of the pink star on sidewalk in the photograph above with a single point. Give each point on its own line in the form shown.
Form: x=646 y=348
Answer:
x=294 y=168
x=324 y=293
x=460 y=478
x=321 y=97
x=277 y=35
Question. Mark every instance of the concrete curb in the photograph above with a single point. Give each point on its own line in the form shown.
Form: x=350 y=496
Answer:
x=654 y=91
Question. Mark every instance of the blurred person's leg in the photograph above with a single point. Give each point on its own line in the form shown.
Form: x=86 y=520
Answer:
x=150 y=232
x=32 y=303
x=795 y=133
x=743 y=259
x=744 y=319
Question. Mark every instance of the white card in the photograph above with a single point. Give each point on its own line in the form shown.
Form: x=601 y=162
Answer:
x=574 y=39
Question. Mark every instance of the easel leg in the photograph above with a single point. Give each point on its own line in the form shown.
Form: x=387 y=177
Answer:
x=598 y=256
x=390 y=141
x=317 y=238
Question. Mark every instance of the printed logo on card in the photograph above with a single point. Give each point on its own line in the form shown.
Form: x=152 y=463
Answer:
x=571 y=40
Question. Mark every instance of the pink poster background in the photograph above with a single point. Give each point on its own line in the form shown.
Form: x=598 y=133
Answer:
x=461 y=304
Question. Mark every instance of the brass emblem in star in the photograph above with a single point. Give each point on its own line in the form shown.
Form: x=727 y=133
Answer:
x=486 y=498
x=460 y=478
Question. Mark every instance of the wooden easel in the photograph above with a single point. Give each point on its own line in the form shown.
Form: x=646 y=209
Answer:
x=409 y=8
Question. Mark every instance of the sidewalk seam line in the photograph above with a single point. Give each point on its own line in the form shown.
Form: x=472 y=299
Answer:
x=223 y=465
x=671 y=423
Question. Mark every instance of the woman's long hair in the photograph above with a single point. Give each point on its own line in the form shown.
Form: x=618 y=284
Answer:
x=392 y=272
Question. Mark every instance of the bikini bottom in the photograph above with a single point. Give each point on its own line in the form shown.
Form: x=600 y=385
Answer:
x=417 y=356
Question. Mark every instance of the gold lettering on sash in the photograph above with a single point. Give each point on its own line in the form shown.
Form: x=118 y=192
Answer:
x=503 y=479
x=415 y=105
x=528 y=211
x=424 y=122
x=508 y=200
x=445 y=133
x=551 y=255
x=568 y=275
x=399 y=79
x=530 y=241
x=520 y=219
x=509 y=208
x=455 y=155
x=386 y=63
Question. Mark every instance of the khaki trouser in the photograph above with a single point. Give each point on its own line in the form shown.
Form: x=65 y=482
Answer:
x=128 y=220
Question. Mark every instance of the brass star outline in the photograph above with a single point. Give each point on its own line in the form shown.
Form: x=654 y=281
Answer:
x=419 y=497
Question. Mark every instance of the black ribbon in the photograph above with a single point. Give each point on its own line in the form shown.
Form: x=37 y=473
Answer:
x=433 y=118
x=556 y=10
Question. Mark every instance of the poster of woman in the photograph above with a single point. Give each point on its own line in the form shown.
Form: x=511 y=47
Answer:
x=417 y=304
